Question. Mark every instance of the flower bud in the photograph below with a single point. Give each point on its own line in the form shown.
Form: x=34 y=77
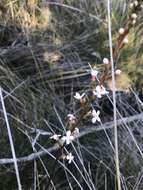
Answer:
x=134 y=16
x=125 y=41
x=118 y=72
x=121 y=31
x=106 y=61
x=134 y=22
x=136 y=3
x=131 y=5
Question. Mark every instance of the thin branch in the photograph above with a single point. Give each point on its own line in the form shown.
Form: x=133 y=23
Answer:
x=86 y=131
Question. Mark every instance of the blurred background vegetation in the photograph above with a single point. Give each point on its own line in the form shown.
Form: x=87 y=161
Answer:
x=45 y=51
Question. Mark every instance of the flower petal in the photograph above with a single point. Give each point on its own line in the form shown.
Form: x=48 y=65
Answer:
x=94 y=120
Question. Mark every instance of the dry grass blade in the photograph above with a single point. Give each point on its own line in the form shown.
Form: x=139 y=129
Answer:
x=11 y=141
x=114 y=97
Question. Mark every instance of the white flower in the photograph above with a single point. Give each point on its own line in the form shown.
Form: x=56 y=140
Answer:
x=121 y=31
x=106 y=61
x=134 y=16
x=76 y=132
x=118 y=72
x=78 y=96
x=94 y=73
x=95 y=116
x=125 y=41
x=71 y=117
x=70 y=157
x=55 y=137
x=99 y=91
x=68 y=138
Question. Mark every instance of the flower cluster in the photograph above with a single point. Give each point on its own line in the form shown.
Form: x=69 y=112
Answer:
x=134 y=18
x=133 y=4
x=66 y=139
x=100 y=91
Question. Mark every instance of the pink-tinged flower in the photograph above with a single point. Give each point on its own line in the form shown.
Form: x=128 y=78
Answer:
x=68 y=138
x=99 y=91
x=94 y=74
x=55 y=137
x=95 y=116
x=71 y=117
x=78 y=96
x=70 y=157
